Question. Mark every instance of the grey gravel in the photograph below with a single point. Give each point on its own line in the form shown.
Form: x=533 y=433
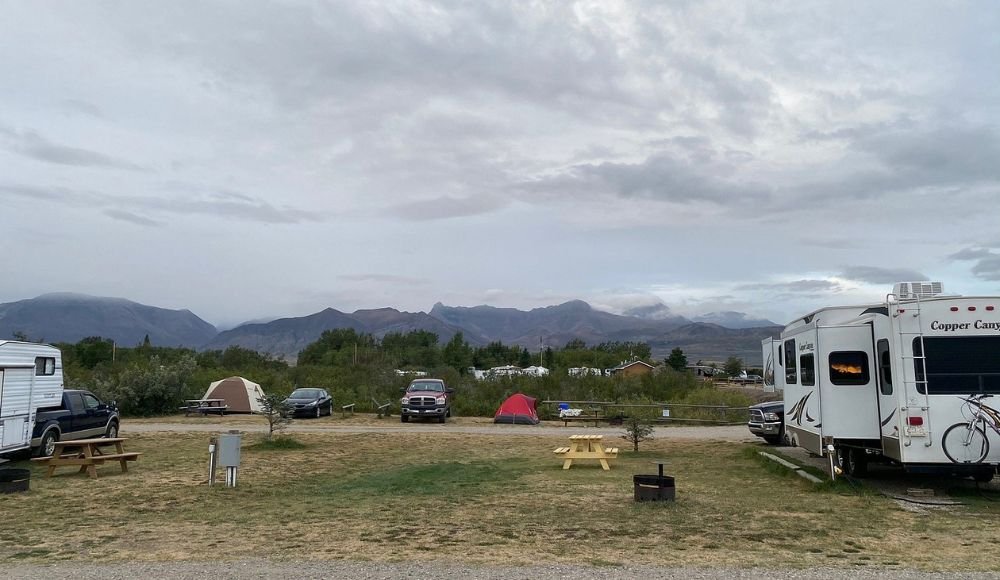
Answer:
x=731 y=433
x=372 y=571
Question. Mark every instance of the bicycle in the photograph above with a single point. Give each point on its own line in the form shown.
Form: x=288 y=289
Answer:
x=967 y=442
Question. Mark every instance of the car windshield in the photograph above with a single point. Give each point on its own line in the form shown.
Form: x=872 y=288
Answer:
x=427 y=386
x=305 y=394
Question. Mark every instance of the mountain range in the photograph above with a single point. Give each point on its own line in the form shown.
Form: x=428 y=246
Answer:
x=71 y=317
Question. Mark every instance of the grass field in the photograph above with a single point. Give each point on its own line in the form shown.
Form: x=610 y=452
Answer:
x=477 y=499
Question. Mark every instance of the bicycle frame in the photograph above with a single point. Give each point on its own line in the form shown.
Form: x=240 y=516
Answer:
x=985 y=414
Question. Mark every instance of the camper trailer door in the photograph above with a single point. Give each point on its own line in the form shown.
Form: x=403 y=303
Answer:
x=847 y=373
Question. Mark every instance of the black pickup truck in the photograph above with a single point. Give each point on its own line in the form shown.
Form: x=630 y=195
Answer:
x=767 y=420
x=80 y=416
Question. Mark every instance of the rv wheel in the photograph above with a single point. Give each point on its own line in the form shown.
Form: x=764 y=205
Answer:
x=852 y=461
x=983 y=476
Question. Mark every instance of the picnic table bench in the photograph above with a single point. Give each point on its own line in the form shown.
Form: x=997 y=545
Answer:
x=587 y=447
x=205 y=406
x=346 y=408
x=87 y=455
x=382 y=408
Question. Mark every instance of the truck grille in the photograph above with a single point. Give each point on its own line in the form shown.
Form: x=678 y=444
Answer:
x=421 y=401
x=756 y=416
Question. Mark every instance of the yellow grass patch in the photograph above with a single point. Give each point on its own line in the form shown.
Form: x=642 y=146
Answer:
x=471 y=498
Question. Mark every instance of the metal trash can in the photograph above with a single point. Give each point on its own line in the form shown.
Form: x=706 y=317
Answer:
x=14 y=480
x=654 y=488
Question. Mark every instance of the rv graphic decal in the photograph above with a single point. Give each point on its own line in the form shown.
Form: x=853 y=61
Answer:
x=799 y=409
x=769 y=371
x=889 y=418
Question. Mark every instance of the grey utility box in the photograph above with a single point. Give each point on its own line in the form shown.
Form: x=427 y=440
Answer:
x=229 y=450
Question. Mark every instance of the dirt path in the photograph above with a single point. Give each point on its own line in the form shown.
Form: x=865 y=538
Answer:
x=372 y=571
x=735 y=433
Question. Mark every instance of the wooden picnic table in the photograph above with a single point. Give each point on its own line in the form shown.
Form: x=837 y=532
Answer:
x=205 y=406
x=587 y=447
x=87 y=454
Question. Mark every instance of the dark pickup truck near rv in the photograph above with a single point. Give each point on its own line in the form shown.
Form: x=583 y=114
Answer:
x=80 y=416
x=767 y=420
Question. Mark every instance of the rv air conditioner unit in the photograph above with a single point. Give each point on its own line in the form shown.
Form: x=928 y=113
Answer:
x=916 y=290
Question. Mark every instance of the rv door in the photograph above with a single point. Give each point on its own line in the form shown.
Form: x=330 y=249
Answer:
x=847 y=372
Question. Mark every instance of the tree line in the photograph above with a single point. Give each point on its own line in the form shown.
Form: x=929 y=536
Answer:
x=360 y=368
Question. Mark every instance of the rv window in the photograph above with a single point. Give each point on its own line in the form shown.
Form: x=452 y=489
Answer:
x=960 y=365
x=849 y=368
x=884 y=366
x=808 y=364
x=791 y=377
x=45 y=365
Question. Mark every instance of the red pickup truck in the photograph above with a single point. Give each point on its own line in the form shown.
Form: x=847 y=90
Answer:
x=426 y=398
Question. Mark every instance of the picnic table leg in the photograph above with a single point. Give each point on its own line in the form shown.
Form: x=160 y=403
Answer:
x=567 y=463
x=90 y=468
x=604 y=465
x=120 y=448
x=51 y=471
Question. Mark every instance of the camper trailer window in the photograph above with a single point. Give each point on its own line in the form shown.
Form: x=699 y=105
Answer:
x=790 y=370
x=885 y=366
x=849 y=368
x=962 y=365
x=808 y=364
x=45 y=365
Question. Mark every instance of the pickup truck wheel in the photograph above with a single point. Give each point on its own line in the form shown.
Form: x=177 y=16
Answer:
x=443 y=419
x=48 y=444
x=404 y=418
x=112 y=431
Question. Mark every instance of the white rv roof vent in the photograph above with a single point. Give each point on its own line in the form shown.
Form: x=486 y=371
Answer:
x=914 y=290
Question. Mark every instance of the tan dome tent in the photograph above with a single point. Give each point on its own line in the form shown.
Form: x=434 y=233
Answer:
x=240 y=394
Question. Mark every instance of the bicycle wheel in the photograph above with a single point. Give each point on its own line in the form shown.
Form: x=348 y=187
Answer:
x=963 y=443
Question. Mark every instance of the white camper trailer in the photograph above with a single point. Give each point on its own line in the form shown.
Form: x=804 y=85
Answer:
x=30 y=378
x=908 y=381
x=769 y=354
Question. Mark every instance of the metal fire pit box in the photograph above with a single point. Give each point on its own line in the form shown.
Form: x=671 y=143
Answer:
x=14 y=480
x=654 y=487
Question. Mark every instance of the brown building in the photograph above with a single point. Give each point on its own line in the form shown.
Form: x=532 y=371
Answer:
x=633 y=369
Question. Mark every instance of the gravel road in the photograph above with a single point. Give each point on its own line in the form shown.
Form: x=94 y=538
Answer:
x=372 y=571
x=725 y=433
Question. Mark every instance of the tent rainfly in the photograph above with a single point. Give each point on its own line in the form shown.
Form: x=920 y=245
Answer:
x=519 y=409
x=241 y=395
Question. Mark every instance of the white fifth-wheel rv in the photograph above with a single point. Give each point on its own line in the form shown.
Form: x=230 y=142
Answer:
x=910 y=381
x=30 y=378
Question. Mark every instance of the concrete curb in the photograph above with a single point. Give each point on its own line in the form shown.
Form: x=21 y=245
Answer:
x=797 y=469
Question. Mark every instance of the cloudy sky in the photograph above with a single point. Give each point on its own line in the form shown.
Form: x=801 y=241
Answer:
x=251 y=159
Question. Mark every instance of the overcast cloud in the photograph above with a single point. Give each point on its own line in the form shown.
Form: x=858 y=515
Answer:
x=276 y=158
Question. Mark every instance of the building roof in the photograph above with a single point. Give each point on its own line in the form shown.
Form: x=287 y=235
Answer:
x=635 y=362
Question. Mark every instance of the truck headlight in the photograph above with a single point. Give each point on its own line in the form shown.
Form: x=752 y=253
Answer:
x=440 y=400
x=404 y=401
x=771 y=417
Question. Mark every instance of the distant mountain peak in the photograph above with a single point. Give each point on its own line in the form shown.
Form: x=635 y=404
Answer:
x=658 y=311
x=732 y=319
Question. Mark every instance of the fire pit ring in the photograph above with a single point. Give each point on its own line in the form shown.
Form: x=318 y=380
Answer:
x=14 y=480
